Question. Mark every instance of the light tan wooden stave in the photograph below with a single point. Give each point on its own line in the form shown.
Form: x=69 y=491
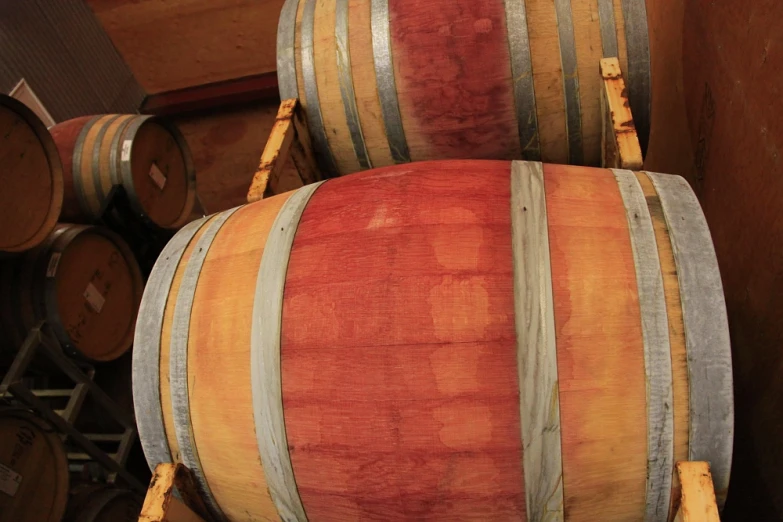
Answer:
x=165 y=345
x=330 y=99
x=224 y=350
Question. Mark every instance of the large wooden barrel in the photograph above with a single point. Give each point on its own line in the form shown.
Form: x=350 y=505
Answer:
x=33 y=469
x=84 y=281
x=386 y=82
x=31 y=178
x=145 y=155
x=409 y=330
x=101 y=503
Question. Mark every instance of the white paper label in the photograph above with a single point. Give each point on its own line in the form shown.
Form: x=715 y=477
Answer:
x=157 y=176
x=51 y=268
x=9 y=480
x=94 y=298
x=126 y=149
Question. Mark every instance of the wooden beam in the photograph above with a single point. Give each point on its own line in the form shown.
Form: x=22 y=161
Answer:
x=259 y=87
x=160 y=504
x=289 y=138
x=620 y=145
x=698 y=494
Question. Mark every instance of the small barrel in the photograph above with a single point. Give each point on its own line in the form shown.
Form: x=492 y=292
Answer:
x=385 y=82
x=101 y=503
x=33 y=469
x=442 y=340
x=146 y=155
x=31 y=178
x=84 y=281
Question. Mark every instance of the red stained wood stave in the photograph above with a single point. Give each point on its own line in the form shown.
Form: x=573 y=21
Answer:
x=454 y=55
x=420 y=373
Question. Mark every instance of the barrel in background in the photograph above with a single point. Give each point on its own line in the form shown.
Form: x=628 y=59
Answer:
x=391 y=82
x=102 y=503
x=34 y=478
x=145 y=155
x=84 y=282
x=31 y=178
x=409 y=330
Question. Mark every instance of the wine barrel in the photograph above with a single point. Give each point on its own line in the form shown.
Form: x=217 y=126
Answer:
x=145 y=155
x=33 y=469
x=389 y=82
x=31 y=177
x=84 y=281
x=410 y=329
x=100 y=503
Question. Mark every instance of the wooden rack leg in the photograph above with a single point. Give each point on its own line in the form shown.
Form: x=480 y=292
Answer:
x=697 y=503
x=289 y=138
x=620 y=144
x=160 y=504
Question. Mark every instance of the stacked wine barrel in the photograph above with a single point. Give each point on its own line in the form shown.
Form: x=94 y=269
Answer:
x=453 y=340
x=80 y=205
x=385 y=82
x=144 y=155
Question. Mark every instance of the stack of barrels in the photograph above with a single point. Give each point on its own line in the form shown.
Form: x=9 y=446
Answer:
x=466 y=338
x=63 y=266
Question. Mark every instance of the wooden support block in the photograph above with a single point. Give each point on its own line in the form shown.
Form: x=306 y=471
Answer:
x=160 y=504
x=289 y=137
x=697 y=503
x=302 y=151
x=619 y=143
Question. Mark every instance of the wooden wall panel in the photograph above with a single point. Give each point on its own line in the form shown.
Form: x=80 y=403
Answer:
x=226 y=147
x=60 y=49
x=718 y=121
x=181 y=43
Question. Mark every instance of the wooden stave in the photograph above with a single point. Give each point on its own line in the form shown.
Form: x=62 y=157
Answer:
x=641 y=515
x=84 y=209
x=178 y=359
x=608 y=24
x=146 y=379
x=56 y=170
x=59 y=456
x=657 y=350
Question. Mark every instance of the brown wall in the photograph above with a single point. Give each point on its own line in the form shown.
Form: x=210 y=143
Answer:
x=226 y=147
x=181 y=43
x=718 y=121
x=60 y=49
